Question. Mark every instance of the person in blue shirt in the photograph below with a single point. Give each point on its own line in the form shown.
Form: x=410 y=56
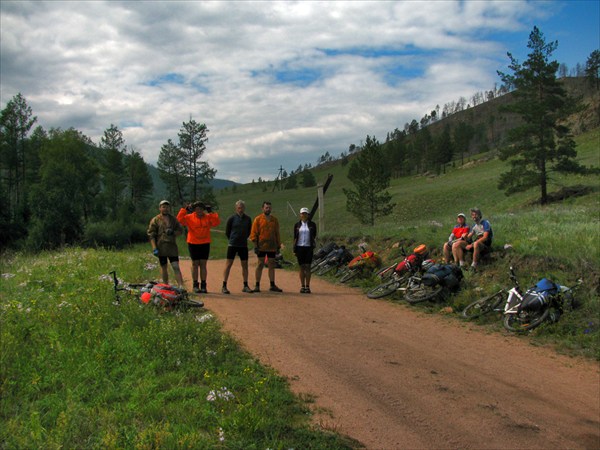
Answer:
x=478 y=241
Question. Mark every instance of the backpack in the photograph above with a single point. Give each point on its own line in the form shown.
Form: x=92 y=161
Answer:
x=160 y=294
x=447 y=275
x=537 y=297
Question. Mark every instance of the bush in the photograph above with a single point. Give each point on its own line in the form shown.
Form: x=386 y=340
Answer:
x=114 y=234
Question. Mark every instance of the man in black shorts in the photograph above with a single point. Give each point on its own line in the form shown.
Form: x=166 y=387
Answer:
x=237 y=231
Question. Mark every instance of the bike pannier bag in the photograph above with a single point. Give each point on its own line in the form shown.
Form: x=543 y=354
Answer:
x=538 y=296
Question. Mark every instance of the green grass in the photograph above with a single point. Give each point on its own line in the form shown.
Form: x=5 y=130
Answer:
x=559 y=241
x=80 y=371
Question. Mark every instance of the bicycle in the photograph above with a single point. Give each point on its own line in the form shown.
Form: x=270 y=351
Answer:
x=396 y=276
x=155 y=293
x=362 y=265
x=525 y=311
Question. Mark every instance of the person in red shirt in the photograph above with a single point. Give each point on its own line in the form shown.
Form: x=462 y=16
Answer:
x=460 y=230
x=199 y=219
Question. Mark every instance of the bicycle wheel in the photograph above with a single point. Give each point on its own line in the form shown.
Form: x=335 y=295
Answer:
x=384 y=289
x=525 y=320
x=385 y=273
x=483 y=305
x=350 y=274
x=327 y=268
x=188 y=302
x=420 y=293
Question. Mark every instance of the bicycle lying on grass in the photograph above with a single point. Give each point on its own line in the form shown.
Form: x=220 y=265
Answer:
x=545 y=301
x=155 y=293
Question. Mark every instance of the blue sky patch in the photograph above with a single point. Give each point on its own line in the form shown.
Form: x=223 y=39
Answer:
x=168 y=78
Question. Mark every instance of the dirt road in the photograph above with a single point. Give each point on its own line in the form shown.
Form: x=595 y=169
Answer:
x=394 y=378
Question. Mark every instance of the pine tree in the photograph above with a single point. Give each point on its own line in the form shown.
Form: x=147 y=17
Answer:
x=542 y=143
x=370 y=175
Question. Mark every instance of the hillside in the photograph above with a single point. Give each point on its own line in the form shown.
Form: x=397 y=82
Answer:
x=491 y=125
x=160 y=190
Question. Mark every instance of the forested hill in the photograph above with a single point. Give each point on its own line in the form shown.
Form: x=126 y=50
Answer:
x=160 y=189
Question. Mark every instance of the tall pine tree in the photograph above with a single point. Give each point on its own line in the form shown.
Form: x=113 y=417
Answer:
x=370 y=175
x=542 y=144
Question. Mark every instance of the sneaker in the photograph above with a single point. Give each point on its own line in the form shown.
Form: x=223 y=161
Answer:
x=256 y=289
x=203 y=291
x=275 y=289
x=225 y=290
x=303 y=290
x=196 y=290
x=307 y=290
x=247 y=290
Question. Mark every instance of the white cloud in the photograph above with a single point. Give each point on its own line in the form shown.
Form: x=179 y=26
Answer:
x=148 y=66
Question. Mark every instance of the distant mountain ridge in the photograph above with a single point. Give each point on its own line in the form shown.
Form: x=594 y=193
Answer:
x=160 y=189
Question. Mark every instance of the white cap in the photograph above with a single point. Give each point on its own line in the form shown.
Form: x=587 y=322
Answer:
x=164 y=202
x=304 y=210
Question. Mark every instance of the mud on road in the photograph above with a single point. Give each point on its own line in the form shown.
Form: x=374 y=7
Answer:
x=392 y=377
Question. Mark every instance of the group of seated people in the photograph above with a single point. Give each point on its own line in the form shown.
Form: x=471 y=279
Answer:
x=466 y=239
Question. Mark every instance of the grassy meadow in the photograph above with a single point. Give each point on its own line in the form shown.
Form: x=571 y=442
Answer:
x=79 y=370
x=559 y=241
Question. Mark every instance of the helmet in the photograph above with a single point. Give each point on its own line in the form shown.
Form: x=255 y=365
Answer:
x=427 y=264
x=420 y=250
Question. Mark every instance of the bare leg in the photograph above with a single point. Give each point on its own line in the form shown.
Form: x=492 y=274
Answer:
x=164 y=271
x=227 y=269
x=259 y=270
x=448 y=253
x=177 y=272
x=203 y=270
x=458 y=250
x=245 y=270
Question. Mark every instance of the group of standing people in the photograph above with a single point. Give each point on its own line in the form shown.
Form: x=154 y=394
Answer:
x=263 y=232
x=465 y=239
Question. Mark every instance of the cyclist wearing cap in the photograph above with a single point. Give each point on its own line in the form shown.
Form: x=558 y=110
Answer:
x=305 y=233
x=478 y=241
x=460 y=231
x=199 y=219
x=162 y=232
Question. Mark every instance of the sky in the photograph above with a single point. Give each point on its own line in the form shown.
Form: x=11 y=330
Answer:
x=278 y=84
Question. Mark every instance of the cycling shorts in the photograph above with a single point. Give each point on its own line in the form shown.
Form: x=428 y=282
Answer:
x=163 y=259
x=242 y=251
x=304 y=255
x=199 y=251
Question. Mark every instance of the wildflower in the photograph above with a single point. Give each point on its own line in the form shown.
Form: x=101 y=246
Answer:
x=223 y=394
x=150 y=266
x=8 y=275
x=221 y=434
x=204 y=318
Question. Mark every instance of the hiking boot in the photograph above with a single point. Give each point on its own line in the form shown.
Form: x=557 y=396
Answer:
x=203 y=290
x=275 y=289
x=303 y=290
x=256 y=289
x=307 y=290
x=196 y=289
x=247 y=290
x=225 y=290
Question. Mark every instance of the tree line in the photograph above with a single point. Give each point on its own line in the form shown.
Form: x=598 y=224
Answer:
x=538 y=146
x=57 y=187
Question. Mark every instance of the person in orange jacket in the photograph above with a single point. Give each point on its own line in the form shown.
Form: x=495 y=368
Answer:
x=199 y=219
x=267 y=241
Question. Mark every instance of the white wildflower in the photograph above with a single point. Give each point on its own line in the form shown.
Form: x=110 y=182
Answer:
x=8 y=275
x=223 y=394
x=204 y=318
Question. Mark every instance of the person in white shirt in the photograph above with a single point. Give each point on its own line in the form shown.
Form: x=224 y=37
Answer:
x=305 y=234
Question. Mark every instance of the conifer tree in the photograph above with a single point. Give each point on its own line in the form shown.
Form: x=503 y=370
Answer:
x=542 y=144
